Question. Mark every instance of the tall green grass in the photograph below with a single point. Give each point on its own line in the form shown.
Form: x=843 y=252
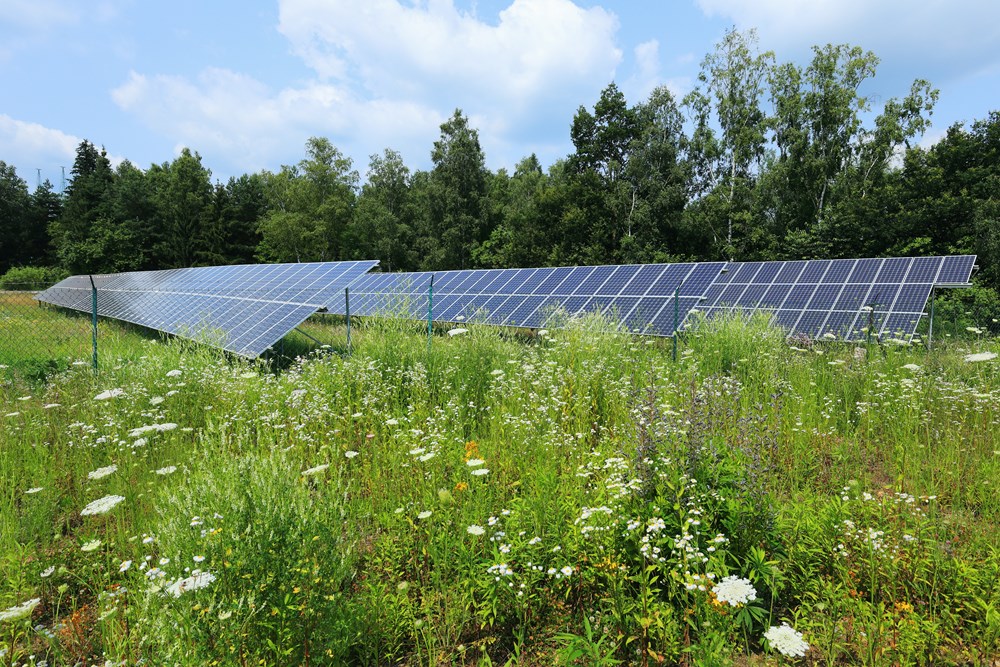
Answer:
x=575 y=496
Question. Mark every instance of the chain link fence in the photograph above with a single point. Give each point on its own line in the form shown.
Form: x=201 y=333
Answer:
x=37 y=339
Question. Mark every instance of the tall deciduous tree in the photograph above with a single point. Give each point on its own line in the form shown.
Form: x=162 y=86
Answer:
x=310 y=207
x=726 y=162
x=457 y=194
x=382 y=226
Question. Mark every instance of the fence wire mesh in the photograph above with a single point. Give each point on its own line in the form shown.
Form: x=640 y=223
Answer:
x=37 y=339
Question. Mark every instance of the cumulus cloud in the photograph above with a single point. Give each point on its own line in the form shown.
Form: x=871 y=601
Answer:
x=30 y=145
x=536 y=48
x=232 y=115
x=936 y=38
x=387 y=74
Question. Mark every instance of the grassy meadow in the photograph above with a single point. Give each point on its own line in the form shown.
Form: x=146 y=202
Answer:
x=575 y=497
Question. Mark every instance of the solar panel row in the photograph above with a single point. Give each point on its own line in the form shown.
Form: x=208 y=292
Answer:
x=244 y=309
x=849 y=299
x=641 y=297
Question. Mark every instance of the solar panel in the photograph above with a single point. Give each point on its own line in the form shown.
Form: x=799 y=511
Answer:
x=846 y=299
x=640 y=297
x=843 y=299
x=244 y=309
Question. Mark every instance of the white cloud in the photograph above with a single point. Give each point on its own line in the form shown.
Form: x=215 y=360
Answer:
x=37 y=13
x=235 y=117
x=30 y=145
x=536 y=47
x=387 y=74
x=936 y=39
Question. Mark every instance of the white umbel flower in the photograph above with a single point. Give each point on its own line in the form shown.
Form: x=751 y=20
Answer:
x=19 y=611
x=102 y=472
x=735 y=591
x=981 y=356
x=786 y=640
x=101 y=505
x=194 y=582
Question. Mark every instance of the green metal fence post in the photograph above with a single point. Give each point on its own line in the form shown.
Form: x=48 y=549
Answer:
x=930 y=324
x=93 y=318
x=677 y=317
x=430 y=314
x=347 y=311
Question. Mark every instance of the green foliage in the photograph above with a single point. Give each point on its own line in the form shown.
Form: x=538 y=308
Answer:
x=274 y=549
x=31 y=277
x=575 y=496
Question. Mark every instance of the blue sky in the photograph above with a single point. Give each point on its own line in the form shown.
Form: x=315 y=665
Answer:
x=246 y=83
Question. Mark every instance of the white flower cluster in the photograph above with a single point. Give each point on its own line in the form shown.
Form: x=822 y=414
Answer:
x=196 y=581
x=19 y=611
x=159 y=428
x=786 y=640
x=110 y=393
x=735 y=591
x=102 y=472
x=101 y=505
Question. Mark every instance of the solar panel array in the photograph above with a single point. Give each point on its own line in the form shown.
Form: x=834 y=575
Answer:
x=640 y=296
x=244 y=309
x=846 y=299
x=849 y=299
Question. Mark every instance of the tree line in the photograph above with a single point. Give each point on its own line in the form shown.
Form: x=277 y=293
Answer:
x=762 y=160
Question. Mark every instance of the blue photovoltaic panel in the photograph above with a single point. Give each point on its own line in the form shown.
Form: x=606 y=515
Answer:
x=846 y=299
x=244 y=309
x=639 y=297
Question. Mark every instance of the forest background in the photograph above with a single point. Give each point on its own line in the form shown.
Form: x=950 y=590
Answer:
x=763 y=160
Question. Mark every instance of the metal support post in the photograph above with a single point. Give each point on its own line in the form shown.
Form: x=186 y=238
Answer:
x=93 y=319
x=430 y=313
x=347 y=311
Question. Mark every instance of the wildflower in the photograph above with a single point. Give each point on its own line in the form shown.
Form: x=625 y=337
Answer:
x=126 y=564
x=198 y=559
x=479 y=472
x=461 y=486
x=786 y=640
x=101 y=505
x=47 y=572
x=196 y=581
x=981 y=356
x=34 y=490
x=156 y=400
x=19 y=611
x=350 y=454
x=912 y=367
x=391 y=422
x=316 y=470
x=92 y=545
x=457 y=332
x=168 y=470
x=425 y=514
x=102 y=472
x=110 y=393
x=566 y=571
x=735 y=591
x=174 y=373
x=475 y=530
